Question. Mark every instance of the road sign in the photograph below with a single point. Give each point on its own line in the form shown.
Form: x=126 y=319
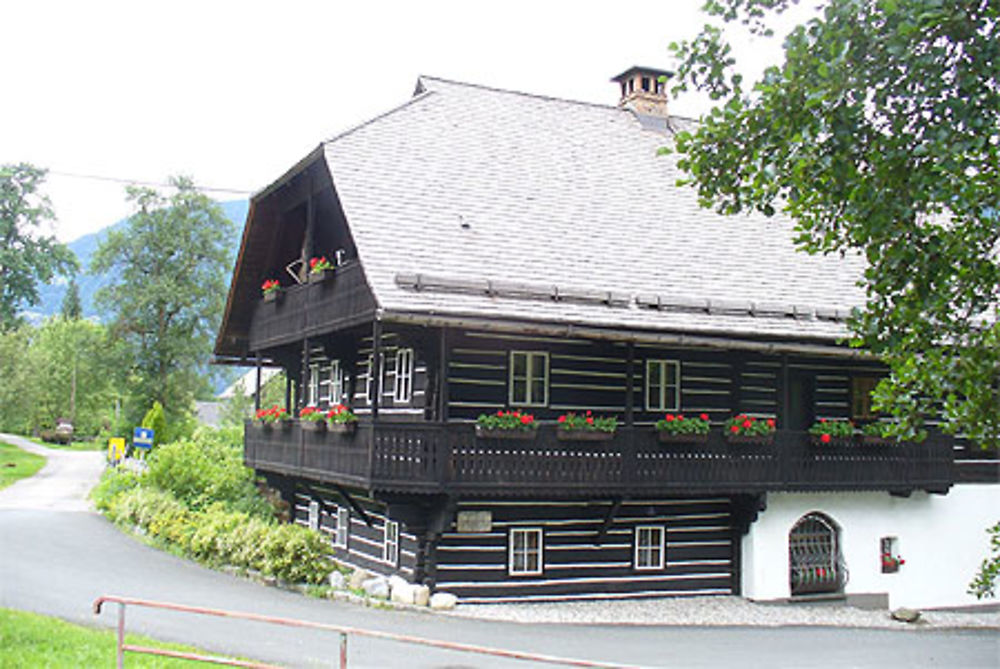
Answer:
x=143 y=437
x=116 y=449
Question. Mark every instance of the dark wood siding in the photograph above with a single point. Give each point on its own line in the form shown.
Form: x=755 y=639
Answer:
x=577 y=563
x=364 y=542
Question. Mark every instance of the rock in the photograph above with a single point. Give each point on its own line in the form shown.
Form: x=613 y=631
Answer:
x=397 y=581
x=443 y=601
x=377 y=587
x=421 y=595
x=403 y=593
x=358 y=577
x=337 y=579
x=906 y=615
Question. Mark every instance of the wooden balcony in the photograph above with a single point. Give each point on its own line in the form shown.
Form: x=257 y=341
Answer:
x=436 y=458
x=312 y=309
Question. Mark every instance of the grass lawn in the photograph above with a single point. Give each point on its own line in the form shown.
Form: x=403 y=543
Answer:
x=16 y=464
x=30 y=640
x=95 y=445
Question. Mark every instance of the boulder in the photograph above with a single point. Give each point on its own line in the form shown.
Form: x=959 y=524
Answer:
x=337 y=579
x=377 y=587
x=443 y=601
x=421 y=595
x=403 y=592
x=358 y=577
x=904 y=615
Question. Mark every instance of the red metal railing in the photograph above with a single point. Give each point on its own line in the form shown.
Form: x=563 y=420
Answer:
x=343 y=630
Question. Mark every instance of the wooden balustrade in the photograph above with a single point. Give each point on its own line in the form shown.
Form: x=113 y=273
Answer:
x=434 y=458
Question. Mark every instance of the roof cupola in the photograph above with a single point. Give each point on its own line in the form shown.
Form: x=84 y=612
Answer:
x=644 y=90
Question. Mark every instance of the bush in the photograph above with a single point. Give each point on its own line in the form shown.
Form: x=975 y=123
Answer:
x=156 y=420
x=113 y=483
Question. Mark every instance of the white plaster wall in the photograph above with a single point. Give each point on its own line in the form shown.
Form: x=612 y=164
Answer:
x=942 y=538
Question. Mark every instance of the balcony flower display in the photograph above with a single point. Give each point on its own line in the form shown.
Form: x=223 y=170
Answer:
x=319 y=269
x=268 y=417
x=676 y=428
x=586 y=427
x=270 y=290
x=891 y=563
x=506 y=425
x=312 y=419
x=341 y=419
x=744 y=429
x=825 y=431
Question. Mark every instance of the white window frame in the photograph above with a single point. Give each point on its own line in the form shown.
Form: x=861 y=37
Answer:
x=369 y=379
x=529 y=400
x=403 y=390
x=323 y=395
x=343 y=529
x=390 y=543
x=312 y=385
x=644 y=550
x=314 y=519
x=336 y=383
x=663 y=365
x=514 y=549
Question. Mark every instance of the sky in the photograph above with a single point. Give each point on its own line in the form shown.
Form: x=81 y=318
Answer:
x=235 y=93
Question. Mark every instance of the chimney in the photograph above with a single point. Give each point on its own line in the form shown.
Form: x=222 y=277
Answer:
x=643 y=92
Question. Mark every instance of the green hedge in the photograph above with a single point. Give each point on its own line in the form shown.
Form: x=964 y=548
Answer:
x=197 y=497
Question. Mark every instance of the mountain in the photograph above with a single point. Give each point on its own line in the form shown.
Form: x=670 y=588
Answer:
x=52 y=294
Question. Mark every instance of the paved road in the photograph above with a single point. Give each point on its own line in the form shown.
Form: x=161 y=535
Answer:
x=56 y=562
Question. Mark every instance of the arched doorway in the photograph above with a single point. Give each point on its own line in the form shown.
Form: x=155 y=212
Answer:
x=814 y=562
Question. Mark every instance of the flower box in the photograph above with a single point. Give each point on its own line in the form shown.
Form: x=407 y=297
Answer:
x=668 y=438
x=343 y=428
x=264 y=424
x=584 y=435
x=875 y=440
x=313 y=425
x=485 y=433
x=750 y=439
x=286 y=423
x=272 y=295
x=320 y=276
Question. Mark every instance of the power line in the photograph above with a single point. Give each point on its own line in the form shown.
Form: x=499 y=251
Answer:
x=138 y=182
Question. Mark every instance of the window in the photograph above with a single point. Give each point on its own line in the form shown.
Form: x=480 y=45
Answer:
x=324 y=385
x=649 y=547
x=343 y=527
x=663 y=385
x=645 y=84
x=336 y=382
x=312 y=386
x=529 y=379
x=404 y=375
x=390 y=543
x=861 y=397
x=525 y=551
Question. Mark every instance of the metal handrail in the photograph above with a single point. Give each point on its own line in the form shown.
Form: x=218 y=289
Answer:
x=343 y=630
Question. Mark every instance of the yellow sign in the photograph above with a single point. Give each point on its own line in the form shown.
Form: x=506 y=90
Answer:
x=116 y=449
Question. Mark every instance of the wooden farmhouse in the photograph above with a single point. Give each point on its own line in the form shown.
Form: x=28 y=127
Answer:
x=499 y=251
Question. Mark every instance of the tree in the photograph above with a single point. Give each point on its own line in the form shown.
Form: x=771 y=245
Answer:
x=26 y=258
x=71 y=308
x=879 y=135
x=170 y=267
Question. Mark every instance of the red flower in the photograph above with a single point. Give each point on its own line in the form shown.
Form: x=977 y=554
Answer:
x=902 y=561
x=822 y=420
x=499 y=413
x=825 y=438
x=526 y=419
x=680 y=416
x=588 y=412
x=704 y=416
x=734 y=429
x=590 y=421
x=670 y=418
x=770 y=422
x=312 y=263
x=747 y=424
x=562 y=419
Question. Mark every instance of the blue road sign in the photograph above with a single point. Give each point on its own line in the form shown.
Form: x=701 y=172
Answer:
x=142 y=437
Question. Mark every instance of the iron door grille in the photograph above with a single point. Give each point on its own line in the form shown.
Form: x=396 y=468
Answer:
x=815 y=565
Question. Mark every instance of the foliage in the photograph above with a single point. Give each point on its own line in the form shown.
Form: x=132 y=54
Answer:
x=748 y=426
x=877 y=429
x=270 y=286
x=312 y=414
x=507 y=420
x=26 y=258
x=341 y=414
x=879 y=135
x=17 y=464
x=72 y=308
x=832 y=428
x=33 y=640
x=587 y=422
x=985 y=583
x=678 y=424
x=168 y=289
x=156 y=421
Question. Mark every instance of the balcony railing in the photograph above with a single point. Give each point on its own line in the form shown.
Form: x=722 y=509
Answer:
x=341 y=301
x=436 y=458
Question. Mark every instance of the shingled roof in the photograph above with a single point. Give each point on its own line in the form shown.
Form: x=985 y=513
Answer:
x=466 y=190
x=473 y=202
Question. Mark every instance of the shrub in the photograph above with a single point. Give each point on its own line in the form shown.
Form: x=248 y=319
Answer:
x=156 y=420
x=113 y=483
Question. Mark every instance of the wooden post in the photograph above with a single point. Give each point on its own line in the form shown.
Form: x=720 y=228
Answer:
x=630 y=384
x=288 y=392
x=304 y=379
x=784 y=395
x=376 y=380
x=256 y=395
x=442 y=411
